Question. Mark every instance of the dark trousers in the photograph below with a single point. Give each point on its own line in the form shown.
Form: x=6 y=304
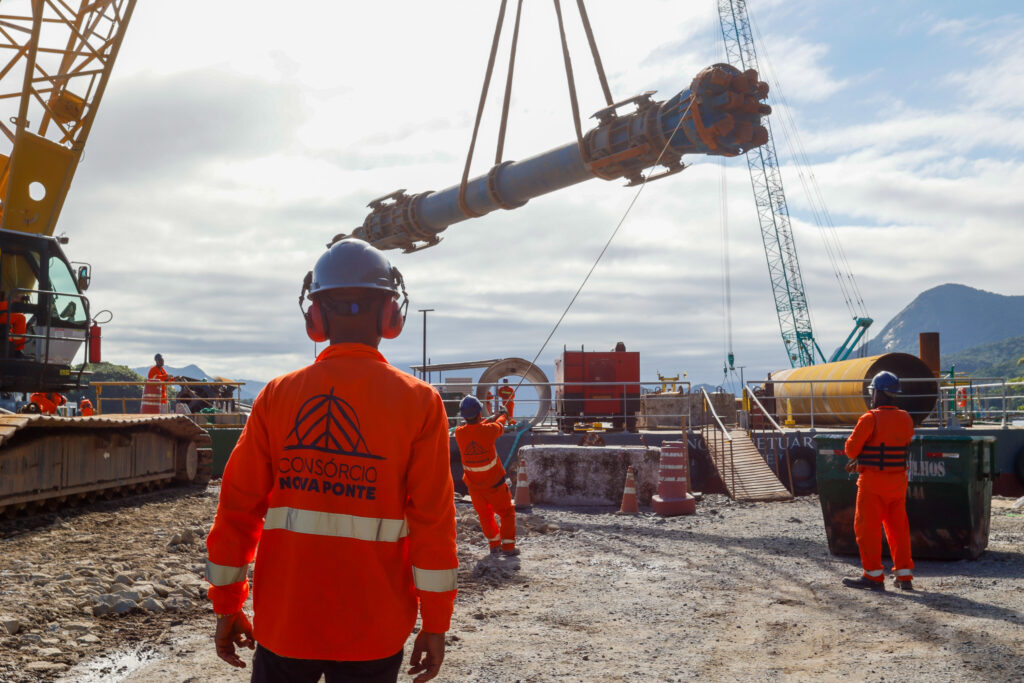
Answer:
x=268 y=667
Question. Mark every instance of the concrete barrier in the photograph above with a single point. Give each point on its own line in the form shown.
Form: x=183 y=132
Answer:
x=589 y=475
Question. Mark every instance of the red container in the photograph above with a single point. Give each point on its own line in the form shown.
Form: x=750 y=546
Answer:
x=597 y=385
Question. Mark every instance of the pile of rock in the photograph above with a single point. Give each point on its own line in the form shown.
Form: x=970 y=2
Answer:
x=58 y=620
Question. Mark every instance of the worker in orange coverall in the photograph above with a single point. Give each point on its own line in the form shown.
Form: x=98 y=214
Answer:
x=508 y=400
x=340 y=486
x=85 y=408
x=877 y=449
x=158 y=374
x=48 y=402
x=484 y=475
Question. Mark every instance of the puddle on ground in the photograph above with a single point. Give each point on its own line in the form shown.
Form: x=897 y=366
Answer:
x=111 y=667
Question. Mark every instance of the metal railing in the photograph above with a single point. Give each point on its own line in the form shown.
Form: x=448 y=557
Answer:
x=948 y=402
x=226 y=410
x=720 y=445
x=620 y=404
x=756 y=414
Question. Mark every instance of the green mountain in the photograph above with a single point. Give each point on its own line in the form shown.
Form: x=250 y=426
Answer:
x=998 y=359
x=964 y=317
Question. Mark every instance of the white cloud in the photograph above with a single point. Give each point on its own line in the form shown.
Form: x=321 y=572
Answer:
x=215 y=175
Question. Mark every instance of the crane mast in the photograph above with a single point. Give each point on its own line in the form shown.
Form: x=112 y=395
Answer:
x=55 y=60
x=772 y=212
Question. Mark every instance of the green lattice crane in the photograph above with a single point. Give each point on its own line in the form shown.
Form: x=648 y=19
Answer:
x=773 y=216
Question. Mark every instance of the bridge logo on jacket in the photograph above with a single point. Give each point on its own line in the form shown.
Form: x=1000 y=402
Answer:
x=473 y=448
x=329 y=424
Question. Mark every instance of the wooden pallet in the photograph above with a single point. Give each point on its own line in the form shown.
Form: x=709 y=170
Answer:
x=752 y=479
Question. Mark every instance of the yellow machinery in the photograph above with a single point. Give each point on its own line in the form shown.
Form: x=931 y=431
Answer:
x=59 y=55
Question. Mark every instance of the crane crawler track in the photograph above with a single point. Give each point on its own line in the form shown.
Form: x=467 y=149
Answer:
x=49 y=463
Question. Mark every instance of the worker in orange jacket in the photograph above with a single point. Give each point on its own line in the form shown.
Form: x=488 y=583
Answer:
x=85 y=408
x=484 y=475
x=877 y=449
x=48 y=402
x=340 y=486
x=508 y=400
x=157 y=373
x=16 y=328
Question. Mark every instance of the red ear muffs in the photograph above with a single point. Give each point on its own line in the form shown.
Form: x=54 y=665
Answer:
x=315 y=322
x=391 y=319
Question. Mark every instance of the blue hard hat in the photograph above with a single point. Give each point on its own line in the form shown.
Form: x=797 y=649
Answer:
x=885 y=381
x=470 y=407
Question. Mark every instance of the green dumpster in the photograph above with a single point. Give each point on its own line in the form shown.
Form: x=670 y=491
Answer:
x=949 y=494
x=223 y=440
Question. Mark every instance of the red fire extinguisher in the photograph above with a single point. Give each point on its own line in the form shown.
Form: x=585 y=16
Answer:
x=94 y=343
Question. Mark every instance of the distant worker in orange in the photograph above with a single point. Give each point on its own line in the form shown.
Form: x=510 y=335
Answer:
x=508 y=399
x=15 y=330
x=877 y=449
x=340 y=487
x=85 y=407
x=150 y=404
x=47 y=402
x=484 y=475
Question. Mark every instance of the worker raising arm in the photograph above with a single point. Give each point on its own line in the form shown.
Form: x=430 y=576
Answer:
x=340 y=487
x=484 y=475
x=877 y=449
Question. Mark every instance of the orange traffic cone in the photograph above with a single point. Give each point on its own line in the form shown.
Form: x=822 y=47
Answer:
x=522 y=501
x=629 y=503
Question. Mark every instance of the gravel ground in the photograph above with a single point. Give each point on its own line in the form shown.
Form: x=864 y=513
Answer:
x=739 y=591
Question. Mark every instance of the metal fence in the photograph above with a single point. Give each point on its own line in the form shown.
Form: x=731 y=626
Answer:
x=942 y=402
x=222 y=409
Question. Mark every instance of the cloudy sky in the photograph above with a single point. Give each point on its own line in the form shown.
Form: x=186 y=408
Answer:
x=236 y=139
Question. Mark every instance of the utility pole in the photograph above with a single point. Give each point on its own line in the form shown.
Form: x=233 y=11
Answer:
x=424 y=311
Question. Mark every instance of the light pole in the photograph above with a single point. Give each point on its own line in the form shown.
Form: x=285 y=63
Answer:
x=424 y=311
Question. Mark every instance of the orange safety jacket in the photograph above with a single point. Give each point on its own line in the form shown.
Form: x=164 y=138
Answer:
x=85 y=406
x=506 y=393
x=879 y=444
x=17 y=329
x=157 y=373
x=340 y=486
x=47 y=402
x=481 y=467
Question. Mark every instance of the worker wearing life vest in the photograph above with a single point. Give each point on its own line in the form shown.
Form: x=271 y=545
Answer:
x=16 y=328
x=340 y=487
x=85 y=407
x=484 y=475
x=508 y=399
x=877 y=449
x=48 y=402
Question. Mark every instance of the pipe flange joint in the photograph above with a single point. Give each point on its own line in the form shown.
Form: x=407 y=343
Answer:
x=492 y=187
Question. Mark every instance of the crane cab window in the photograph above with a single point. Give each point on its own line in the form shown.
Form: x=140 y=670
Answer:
x=67 y=306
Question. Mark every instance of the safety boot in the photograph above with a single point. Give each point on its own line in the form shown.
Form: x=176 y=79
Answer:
x=864 y=583
x=510 y=552
x=905 y=584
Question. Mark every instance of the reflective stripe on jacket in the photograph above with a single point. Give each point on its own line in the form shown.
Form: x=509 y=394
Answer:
x=480 y=465
x=340 y=488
